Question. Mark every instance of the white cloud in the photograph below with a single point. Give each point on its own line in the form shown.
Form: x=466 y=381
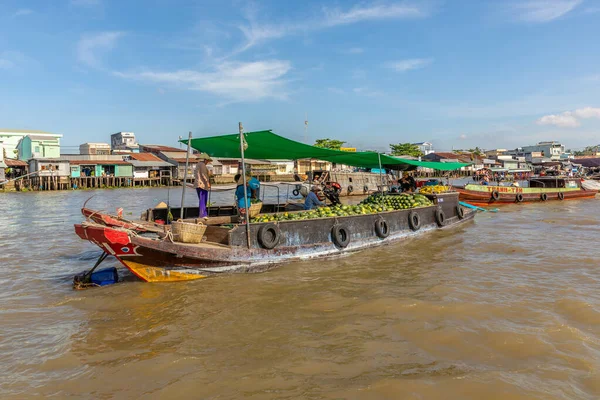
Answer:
x=360 y=13
x=463 y=137
x=22 y=12
x=587 y=112
x=564 y=120
x=90 y=45
x=410 y=64
x=235 y=81
x=569 y=119
x=257 y=32
x=544 y=10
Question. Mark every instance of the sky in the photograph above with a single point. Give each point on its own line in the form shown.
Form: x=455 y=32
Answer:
x=458 y=73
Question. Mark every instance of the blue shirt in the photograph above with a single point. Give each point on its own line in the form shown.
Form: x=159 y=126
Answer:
x=312 y=201
x=239 y=194
x=253 y=184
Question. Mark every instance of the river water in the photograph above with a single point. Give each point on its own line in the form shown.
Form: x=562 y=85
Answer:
x=506 y=307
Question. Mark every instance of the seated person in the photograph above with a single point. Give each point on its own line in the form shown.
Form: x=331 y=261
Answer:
x=408 y=183
x=251 y=187
x=485 y=181
x=312 y=201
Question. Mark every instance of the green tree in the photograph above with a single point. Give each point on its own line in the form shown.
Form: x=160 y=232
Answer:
x=406 y=149
x=476 y=151
x=329 y=143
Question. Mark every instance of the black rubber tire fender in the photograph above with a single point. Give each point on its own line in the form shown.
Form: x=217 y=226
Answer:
x=350 y=189
x=543 y=197
x=340 y=235
x=296 y=192
x=382 y=228
x=440 y=217
x=268 y=236
x=365 y=188
x=495 y=195
x=519 y=198
x=460 y=212
x=561 y=196
x=414 y=220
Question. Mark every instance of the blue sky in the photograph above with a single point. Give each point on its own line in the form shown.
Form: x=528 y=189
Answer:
x=457 y=73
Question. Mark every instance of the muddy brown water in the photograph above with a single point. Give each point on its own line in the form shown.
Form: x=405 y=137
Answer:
x=507 y=307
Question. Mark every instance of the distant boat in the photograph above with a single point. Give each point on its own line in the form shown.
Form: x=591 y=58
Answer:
x=540 y=189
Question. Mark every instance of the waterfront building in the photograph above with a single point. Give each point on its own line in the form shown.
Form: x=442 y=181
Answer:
x=442 y=157
x=552 y=149
x=91 y=167
x=49 y=167
x=283 y=167
x=38 y=146
x=11 y=137
x=306 y=165
x=495 y=153
x=147 y=165
x=425 y=147
x=95 y=148
x=124 y=142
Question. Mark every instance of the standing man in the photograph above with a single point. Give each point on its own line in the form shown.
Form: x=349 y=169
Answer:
x=202 y=182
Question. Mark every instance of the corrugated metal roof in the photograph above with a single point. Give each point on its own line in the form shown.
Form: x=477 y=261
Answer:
x=158 y=147
x=25 y=131
x=99 y=162
x=41 y=138
x=144 y=157
x=11 y=162
x=159 y=163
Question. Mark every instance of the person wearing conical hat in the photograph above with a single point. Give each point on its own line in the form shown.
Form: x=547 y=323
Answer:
x=202 y=182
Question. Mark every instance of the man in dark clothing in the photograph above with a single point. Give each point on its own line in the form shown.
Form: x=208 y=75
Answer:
x=408 y=183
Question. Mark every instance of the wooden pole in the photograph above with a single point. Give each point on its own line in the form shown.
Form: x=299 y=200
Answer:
x=380 y=176
x=241 y=129
x=187 y=162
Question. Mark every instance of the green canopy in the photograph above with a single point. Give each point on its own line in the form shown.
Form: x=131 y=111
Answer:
x=269 y=146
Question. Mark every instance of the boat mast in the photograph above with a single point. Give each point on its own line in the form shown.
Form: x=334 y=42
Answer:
x=247 y=216
x=380 y=177
x=187 y=161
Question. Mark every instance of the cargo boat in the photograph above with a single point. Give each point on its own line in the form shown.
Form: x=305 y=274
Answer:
x=155 y=257
x=540 y=189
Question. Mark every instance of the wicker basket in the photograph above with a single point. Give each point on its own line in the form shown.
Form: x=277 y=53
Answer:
x=254 y=209
x=186 y=232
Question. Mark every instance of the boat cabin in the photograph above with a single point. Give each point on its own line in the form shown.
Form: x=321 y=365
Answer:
x=554 y=182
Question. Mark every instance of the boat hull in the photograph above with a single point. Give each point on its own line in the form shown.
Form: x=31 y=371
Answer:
x=155 y=259
x=483 y=195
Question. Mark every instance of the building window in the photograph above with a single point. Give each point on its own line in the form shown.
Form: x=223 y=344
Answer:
x=37 y=149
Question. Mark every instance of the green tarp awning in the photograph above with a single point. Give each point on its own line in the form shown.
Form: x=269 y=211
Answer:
x=267 y=145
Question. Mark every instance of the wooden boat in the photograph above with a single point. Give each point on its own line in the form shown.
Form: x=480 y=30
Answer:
x=155 y=257
x=539 y=189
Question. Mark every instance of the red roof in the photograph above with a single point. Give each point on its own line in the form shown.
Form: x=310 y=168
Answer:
x=144 y=157
x=98 y=162
x=182 y=160
x=157 y=147
x=448 y=155
x=11 y=162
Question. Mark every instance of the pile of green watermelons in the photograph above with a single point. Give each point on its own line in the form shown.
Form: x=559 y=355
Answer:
x=371 y=205
x=398 y=202
x=323 y=212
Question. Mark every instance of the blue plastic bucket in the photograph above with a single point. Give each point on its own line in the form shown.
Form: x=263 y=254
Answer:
x=106 y=276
